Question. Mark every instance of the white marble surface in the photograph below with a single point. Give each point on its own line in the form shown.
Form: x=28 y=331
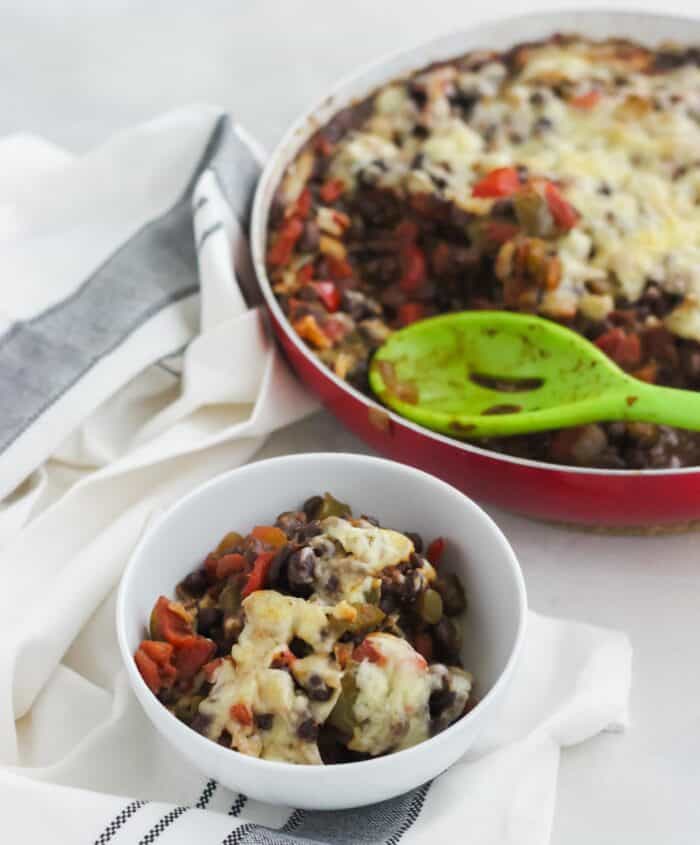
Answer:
x=76 y=71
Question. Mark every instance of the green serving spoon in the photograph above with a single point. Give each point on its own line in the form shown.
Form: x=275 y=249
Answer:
x=493 y=373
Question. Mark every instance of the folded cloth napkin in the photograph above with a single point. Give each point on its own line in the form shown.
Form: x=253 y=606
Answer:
x=132 y=367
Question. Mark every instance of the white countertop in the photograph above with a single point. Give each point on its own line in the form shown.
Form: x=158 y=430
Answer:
x=76 y=71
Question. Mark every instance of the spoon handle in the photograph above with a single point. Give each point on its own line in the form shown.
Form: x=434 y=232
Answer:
x=641 y=402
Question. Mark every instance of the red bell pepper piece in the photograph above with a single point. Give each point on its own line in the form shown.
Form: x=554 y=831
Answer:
x=281 y=250
x=564 y=214
x=302 y=206
x=414 y=270
x=366 y=650
x=154 y=662
x=228 y=564
x=586 y=101
x=170 y=622
x=256 y=579
x=329 y=295
x=241 y=713
x=501 y=182
x=435 y=550
x=306 y=273
x=410 y=312
x=192 y=655
x=270 y=535
x=331 y=190
x=338 y=268
x=624 y=349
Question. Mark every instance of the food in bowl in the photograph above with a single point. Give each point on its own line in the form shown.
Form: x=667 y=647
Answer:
x=559 y=177
x=319 y=639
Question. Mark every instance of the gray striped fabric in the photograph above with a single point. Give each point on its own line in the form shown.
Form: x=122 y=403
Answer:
x=379 y=824
x=41 y=358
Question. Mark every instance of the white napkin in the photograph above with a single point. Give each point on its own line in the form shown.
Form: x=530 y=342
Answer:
x=131 y=369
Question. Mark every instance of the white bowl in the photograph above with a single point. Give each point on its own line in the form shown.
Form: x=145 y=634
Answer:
x=400 y=497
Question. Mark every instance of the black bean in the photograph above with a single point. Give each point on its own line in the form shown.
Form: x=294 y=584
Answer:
x=446 y=638
x=301 y=569
x=312 y=507
x=300 y=648
x=312 y=529
x=195 y=584
x=201 y=723
x=310 y=237
x=263 y=721
x=412 y=586
x=291 y=522
x=416 y=539
x=277 y=576
x=308 y=730
x=439 y=701
x=333 y=583
x=207 y=619
x=225 y=739
x=464 y=100
x=317 y=689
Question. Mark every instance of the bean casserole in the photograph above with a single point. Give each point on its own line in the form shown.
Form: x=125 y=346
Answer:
x=319 y=639
x=560 y=177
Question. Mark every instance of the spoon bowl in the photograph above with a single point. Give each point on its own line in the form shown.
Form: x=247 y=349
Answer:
x=495 y=373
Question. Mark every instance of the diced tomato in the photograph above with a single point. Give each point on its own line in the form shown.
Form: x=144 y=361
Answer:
x=406 y=232
x=282 y=658
x=414 y=272
x=256 y=579
x=624 y=349
x=331 y=190
x=270 y=535
x=435 y=550
x=149 y=671
x=329 y=295
x=423 y=644
x=564 y=214
x=338 y=268
x=587 y=100
x=211 y=667
x=307 y=328
x=366 y=650
x=228 y=564
x=410 y=312
x=170 y=622
x=210 y=563
x=192 y=655
x=154 y=662
x=306 y=273
x=302 y=206
x=501 y=182
x=281 y=250
x=498 y=231
x=241 y=713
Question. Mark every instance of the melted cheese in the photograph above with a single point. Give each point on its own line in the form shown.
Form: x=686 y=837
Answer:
x=393 y=694
x=271 y=622
x=630 y=164
x=351 y=556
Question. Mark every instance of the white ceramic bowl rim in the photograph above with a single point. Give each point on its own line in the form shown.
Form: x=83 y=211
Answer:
x=306 y=124
x=367 y=767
